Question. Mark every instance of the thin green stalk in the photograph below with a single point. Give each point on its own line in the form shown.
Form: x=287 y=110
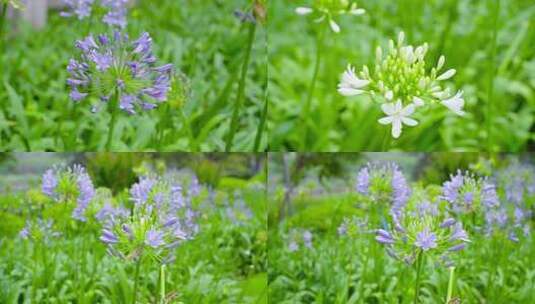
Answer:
x=492 y=73
x=386 y=140
x=450 y=284
x=162 y=284
x=241 y=88
x=114 y=109
x=136 y=278
x=310 y=93
x=419 y=262
x=2 y=22
x=192 y=142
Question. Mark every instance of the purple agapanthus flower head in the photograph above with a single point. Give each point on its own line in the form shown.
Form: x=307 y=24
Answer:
x=160 y=220
x=116 y=10
x=79 y=8
x=80 y=185
x=111 y=68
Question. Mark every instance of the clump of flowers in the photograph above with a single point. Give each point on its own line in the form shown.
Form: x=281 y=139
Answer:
x=39 y=230
x=383 y=183
x=327 y=10
x=162 y=218
x=238 y=212
x=298 y=238
x=403 y=83
x=68 y=185
x=418 y=229
x=352 y=226
x=119 y=72
x=514 y=215
x=115 y=16
x=469 y=194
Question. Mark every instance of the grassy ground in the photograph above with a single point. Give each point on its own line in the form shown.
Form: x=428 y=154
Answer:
x=487 y=42
x=203 y=39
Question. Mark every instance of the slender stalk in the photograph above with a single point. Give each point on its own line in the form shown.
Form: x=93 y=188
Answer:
x=2 y=22
x=492 y=73
x=419 y=262
x=136 y=278
x=386 y=140
x=450 y=284
x=114 y=109
x=241 y=88
x=310 y=93
x=162 y=284
x=192 y=142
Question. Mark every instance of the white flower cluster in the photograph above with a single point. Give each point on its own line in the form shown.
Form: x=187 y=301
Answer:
x=403 y=82
x=326 y=10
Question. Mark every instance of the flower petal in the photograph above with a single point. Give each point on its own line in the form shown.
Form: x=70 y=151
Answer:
x=303 y=10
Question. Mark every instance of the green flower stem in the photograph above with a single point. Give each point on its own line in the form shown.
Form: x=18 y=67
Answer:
x=386 y=140
x=450 y=284
x=419 y=262
x=262 y=124
x=492 y=71
x=136 y=277
x=310 y=93
x=192 y=142
x=114 y=104
x=162 y=284
x=2 y=22
x=241 y=88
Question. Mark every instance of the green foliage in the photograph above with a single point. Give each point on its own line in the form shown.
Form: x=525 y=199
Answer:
x=114 y=170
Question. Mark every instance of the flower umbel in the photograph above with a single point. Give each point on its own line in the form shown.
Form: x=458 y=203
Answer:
x=115 y=15
x=69 y=185
x=161 y=220
x=114 y=67
x=403 y=83
x=326 y=10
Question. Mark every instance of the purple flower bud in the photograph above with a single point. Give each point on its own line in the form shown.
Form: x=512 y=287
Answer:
x=447 y=223
x=154 y=238
x=426 y=240
x=457 y=247
x=108 y=237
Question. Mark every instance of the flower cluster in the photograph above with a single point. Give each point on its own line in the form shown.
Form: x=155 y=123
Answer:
x=467 y=194
x=352 y=226
x=39 y=230
x=404 y=84
x=162 y=218
x=518 y=195
x=297 y=238
x=112 y=68
x=68 y=185
x=115 y=16
x=238 y=212
x=383 y=182
x=420 y=227
x=326 y=10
